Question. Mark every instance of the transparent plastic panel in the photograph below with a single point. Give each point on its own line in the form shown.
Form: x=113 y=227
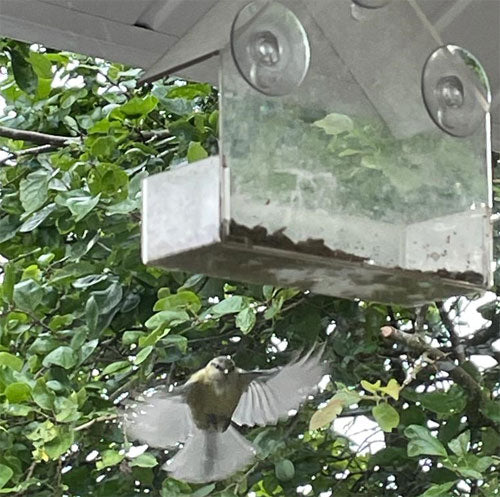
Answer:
x=351 y=164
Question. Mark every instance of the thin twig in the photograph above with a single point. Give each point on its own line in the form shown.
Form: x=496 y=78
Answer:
x=29 y=474
x=33 y=151
x=88 y=424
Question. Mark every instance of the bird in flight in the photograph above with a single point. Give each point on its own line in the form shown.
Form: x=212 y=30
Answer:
x=203 y=414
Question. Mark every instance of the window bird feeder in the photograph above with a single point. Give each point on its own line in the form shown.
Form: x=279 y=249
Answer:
x=354 y=154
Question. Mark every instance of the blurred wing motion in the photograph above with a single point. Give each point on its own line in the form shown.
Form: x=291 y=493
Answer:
x=269 y=395
x=164 y=419
x=211 y=456
x=161 y=420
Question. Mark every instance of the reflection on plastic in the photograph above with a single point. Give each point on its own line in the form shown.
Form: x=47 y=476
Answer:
x=270 y=47
x=372 y=4
x=455 y=90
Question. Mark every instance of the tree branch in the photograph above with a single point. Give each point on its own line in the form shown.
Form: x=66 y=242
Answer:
x=458 y=374
x=61 y=141
x=458 y=348
x=36 y=137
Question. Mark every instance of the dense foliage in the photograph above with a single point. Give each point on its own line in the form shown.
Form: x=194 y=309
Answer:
x=83 y=322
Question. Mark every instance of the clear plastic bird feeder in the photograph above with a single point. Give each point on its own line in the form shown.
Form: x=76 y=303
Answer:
x=354 y=158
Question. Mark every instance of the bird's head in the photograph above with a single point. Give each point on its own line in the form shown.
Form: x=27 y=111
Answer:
x=221 y=367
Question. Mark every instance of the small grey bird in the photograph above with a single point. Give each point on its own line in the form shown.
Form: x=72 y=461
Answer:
x=202 y=413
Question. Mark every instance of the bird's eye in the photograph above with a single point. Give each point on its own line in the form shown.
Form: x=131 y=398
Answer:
x=219 y=367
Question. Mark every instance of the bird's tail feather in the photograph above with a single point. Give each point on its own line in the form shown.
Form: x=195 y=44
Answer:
x=211 y=456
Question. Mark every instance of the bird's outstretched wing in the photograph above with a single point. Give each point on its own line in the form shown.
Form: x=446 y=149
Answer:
x=162 y=420
x=269 y=395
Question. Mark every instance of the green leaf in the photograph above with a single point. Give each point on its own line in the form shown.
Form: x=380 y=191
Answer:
x=79 y=202
x=371 y=387
x=59 y=445
x=392 y=389
x=460 y=445
x=143 y=355
x=42 y=395
x=41 y=65
x=178 y=341
x=488 y=310
x=25 y=76
x=43 y=345
x=59 y=322
x=349 y=151
x=204 y=491
x=108 y=178
x=334 y=124
x=130 y=337
x=91 y=313
x=6 y=474
x=422 y=442
x=117 y=367
x=9 y=278
x=144 y=461
x=388 y=457
x=62 y=356
x=8 y=227
x=231 y=305
x=154 y=336
x=268 y=292
x=18 y=410
x=17 y=392
x=491 y=409
x=33 y=190
x=55 y=385
x=480 y=464
x=327 y=414
x=183 y=299
x=466 y=472
x=87 y=349
x=190 y=91
x=37 y=218
x=32 y=272
x=447 y=403
x=11 y=361
x=491 y=440
x=79 y=337
x=28 y=295
x=196 y=152
x=108 y=299
x=348 y=397
x=167 y=318
x=284 y=470
x=438 y=490
x=386 y=416
x=213 y=120
x=109 y=458
x=138 y=107
x=324 y=416
x=246 y=319
x=67 y=409
x=103 y=146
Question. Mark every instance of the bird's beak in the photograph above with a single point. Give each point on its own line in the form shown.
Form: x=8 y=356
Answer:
x=226 y=371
